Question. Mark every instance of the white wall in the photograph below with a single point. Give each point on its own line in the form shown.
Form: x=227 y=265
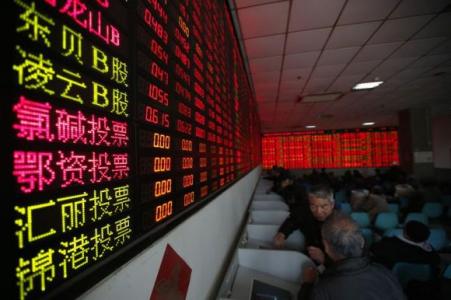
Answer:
x=441 y=142
x=203 y=241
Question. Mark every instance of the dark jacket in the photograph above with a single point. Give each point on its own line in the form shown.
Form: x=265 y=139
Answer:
x=301 y=218
x=391 y=250
x=354 y=279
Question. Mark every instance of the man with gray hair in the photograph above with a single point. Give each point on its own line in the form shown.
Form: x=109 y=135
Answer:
x=308 y=218
x=351 y=275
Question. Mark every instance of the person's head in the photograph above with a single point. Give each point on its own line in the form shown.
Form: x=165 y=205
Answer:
x=286 y=181
x=321 y=201
x=342 y=237
x=416 y=231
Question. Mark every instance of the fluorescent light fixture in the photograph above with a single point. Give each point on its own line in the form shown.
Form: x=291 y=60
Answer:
x=310 y=126
x=319 y=97
x=368 y=123
x=367 y=85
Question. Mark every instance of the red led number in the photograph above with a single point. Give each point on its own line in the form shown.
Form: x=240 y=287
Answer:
x=187 y=162
x=188 y=199
x=156 y=117
x=188 y=180
x=187 y=145
x=161 y=164
x=163 y=211
x=163 y=187
x=161 y=141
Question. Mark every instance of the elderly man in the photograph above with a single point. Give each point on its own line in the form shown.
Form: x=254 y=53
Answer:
x=309 y=217
x=351 y=275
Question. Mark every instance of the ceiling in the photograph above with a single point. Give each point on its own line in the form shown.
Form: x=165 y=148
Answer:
x=302 y=47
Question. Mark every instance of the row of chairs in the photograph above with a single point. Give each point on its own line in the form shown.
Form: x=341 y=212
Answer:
x=431 y=210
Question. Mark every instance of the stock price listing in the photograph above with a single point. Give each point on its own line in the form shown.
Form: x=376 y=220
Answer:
x=124 y=117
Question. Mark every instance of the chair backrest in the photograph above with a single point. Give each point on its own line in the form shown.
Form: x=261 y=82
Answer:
x=409 y=271
x=368 y=235
x=420 y=217
x=345 y=208
x=269 y=205
x=268 y=217
x=393 y=207
x=386 y=220
x=432 y=209
x=393 y=232
x=438 y=239
x=446 y=200
x=362 y=218
x=447 y=272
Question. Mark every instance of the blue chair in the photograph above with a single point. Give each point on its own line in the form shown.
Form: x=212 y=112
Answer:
x=447 y=272
x=362 y=218
x=386 y=220
x=438 y=239
x=393 y=207
x=432 y=209
x=406 y=272
x=340 y=196
x=446 y=200
x=420 y=217
x=345 y=208
x=368 y=235
x=393 y=232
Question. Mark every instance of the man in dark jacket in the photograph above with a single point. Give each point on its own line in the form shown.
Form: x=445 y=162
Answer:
x=351 y=275
x=410 y=247
x=309 y=217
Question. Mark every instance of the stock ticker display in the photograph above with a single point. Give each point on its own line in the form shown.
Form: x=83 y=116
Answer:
x=126 y=117
x=354 y=148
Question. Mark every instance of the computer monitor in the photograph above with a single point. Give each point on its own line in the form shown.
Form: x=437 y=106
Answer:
x=264 y=291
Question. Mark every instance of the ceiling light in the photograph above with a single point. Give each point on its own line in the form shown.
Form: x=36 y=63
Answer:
x=310 y=126
x=367 y=85
x=368 y=123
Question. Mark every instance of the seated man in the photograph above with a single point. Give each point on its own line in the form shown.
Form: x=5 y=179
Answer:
x=372 y=203
x=309 y=217
x=410 y=247
x=351 y=275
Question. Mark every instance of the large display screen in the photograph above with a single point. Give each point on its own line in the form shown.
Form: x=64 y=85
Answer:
x=125 y=117
x=351 y=148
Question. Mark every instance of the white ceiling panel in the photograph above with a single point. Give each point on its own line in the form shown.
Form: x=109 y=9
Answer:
x=309 y=14
x=317 y=85
x=327 y=71
x=351 y=35
x=337 y=56
x=431 y=60
x=358 y=11
x=444 y=48
x=399 y=29
x=390 y=67
x=263 y=20
x=292 y=85
x=266 y=64
x=440 y=26
x=419 y=7
x=306 y=41
x=416 y=48
x=376 y=52
x=293 y=74
x=301 y=60
x=265 y=77
x=360 y=68
x=265 y=46
x=245 y=3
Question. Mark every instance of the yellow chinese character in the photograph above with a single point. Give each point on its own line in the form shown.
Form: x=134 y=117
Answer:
x=74 y=252
x=120 y=103
x=42 y=267
x=35 y=71
x=25 y=223
x=70 y=83
x=123 y=230
x=32 y=22
x=101 y=205
x=73 y=213
x=122 y=201
x=72 y=43
x=101 y=241
x=119 y=73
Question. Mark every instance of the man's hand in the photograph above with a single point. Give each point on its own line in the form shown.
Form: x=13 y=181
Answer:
x=316 y=254
x=279 y=240
x=309 y=275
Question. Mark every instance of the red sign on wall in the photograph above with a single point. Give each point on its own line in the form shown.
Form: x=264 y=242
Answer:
x=173 y=277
